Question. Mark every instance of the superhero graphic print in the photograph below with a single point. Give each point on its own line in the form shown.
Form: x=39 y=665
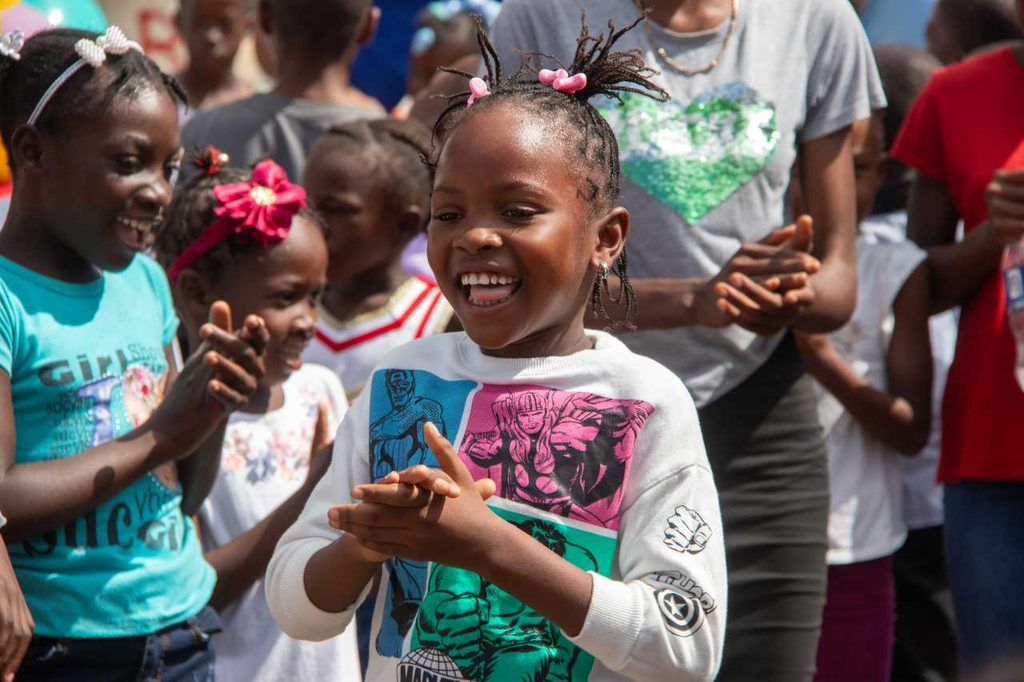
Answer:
x=560 y=460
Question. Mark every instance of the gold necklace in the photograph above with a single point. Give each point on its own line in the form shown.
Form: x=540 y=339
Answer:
x=711 y=65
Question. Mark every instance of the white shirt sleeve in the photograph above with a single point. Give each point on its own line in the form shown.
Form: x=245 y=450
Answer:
x=665 y=616
x=286 y=594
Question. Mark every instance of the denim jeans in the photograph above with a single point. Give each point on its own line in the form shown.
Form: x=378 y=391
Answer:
x=180 y=653
x=985 y=555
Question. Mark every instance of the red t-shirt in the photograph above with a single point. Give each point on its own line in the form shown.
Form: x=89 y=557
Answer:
x=964 y=126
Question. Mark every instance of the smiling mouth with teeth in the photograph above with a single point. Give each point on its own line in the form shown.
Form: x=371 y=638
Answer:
x=142 y=230
x=485 y=289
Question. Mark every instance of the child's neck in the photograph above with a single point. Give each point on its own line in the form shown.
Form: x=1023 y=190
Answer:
x=200 y=86
x=265 y=399
x=325 y=84
x=28 y=243
x=546 y=343
x=367 y=292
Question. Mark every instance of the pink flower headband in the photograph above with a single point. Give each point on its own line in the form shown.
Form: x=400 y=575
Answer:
x=560 y=80
x=261 y=209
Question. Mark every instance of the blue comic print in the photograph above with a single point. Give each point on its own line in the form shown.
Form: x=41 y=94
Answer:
x=401 y=402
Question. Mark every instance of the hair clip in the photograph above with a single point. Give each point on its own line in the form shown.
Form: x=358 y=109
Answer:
x=91 y=52
x=477 y=89
x=114 y=41
x=11 y=44
x=261 y=209
x=211 y=160
x=561 y=81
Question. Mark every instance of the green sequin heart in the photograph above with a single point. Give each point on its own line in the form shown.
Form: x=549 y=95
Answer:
x=693 y=159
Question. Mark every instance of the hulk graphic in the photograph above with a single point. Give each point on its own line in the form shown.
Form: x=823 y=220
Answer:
x=396 y=442
x=491 y=635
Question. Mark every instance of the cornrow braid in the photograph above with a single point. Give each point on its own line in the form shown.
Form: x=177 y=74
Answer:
x=610 y=74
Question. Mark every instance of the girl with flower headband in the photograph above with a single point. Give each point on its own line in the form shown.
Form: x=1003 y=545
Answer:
x=528 y=499
x=247 y=238
x=106 y=441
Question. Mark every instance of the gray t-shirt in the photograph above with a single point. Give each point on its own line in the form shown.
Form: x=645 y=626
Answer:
x=708 y=171
x=268 y=126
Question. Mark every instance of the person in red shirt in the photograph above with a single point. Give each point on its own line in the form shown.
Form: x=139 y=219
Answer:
x=961 y=136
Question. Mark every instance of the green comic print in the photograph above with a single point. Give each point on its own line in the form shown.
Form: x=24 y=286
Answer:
x=476 y=631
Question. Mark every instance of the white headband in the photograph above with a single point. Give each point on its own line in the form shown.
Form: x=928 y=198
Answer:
x=91 y=52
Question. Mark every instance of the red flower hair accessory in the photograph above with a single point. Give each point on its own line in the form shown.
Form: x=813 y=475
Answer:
x=261 y=209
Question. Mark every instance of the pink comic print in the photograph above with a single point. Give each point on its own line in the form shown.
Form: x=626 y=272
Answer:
x=563 y=452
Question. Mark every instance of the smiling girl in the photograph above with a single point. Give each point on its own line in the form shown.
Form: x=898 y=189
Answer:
x=598 y=552
x=245 y=237
x=93 y=435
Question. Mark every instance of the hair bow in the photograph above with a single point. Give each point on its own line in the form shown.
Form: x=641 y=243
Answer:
x=561 y=81
x=261 y=209
x=114 y=41
x=11 y=44
x=477 y=89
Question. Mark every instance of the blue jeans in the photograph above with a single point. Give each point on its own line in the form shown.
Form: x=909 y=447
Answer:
x=180 y=653
x=985 y=556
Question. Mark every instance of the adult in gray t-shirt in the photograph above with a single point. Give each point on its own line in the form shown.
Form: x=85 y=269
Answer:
x=703 y=175
x=269 y=126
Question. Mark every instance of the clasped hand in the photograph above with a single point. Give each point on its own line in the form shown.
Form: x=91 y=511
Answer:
x=423 y=514
x=766 y=285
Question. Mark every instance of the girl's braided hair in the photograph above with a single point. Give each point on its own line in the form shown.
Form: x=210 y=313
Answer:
x=193 y=209
x=88 y=94
x=610 y=74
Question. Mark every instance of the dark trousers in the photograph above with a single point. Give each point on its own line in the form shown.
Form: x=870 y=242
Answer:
x=768 y=455
x=925 y=649
x=181 y=653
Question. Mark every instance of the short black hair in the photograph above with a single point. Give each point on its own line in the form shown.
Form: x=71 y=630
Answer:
x=394 y=151
x=904 y=72
x=192 y=210
x=324 y=28
x=979 y=23
x=609 y=74
x=45 y=56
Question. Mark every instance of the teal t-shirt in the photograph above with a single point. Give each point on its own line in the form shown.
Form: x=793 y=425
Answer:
x=87 y=364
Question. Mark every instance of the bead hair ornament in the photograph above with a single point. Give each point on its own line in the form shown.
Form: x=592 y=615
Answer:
x=11 y=44
x=561 y=81
x=477 y=89
x=261 y=210
x=93 y=53
x=211 y=161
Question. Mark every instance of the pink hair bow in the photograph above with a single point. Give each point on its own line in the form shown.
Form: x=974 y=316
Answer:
x=261 y=209
x=561 y=81
x=477 y=89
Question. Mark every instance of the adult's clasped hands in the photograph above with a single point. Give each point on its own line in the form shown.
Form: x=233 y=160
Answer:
x=767 y=285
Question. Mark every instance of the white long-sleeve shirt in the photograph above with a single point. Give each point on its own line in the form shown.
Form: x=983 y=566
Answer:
x=598 y=455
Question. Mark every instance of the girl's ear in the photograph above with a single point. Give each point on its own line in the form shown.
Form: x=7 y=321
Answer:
x=26 y=152
x=192 y=295
x=410 y=223
x=612 y=231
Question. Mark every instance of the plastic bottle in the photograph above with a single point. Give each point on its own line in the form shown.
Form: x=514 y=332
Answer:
x=1013 y=279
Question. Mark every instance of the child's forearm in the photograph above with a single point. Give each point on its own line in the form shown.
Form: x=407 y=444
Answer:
x=887 y=417
x=198 y=472
x=337 y=574
x=243 y=561
x=41 y=496
x=536 y=576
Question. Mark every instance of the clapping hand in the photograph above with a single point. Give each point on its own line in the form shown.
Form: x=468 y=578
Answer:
x=421 y=513
x=767 y=285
